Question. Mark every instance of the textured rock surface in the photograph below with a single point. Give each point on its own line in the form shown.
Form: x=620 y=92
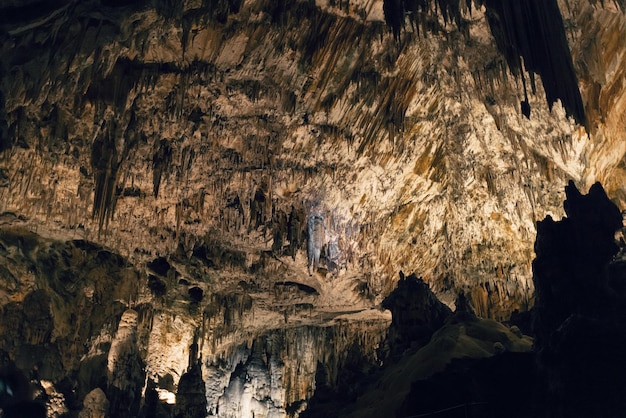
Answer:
x=152 y=127
x=95 y=405
x=83 y=323
x=395 y=392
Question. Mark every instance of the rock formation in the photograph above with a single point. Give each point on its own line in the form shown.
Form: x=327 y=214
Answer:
x=148 y=127
x=579 y=320
x=416 y=314
x=76 y=320
x=125 y=368
x=95 y=405
x=469 y=366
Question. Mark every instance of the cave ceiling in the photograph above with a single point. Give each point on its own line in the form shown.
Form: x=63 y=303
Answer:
x=323 y=144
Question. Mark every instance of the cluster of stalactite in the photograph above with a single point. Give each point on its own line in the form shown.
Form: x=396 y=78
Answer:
x=177 y=156
x=108 y=353
x=530 y=35
x=224 y=312
x=423 y=14
x=276 y=373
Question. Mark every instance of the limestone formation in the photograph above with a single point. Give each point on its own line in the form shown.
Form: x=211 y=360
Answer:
x=252 y=176
x=95 y=405
x=150 y=127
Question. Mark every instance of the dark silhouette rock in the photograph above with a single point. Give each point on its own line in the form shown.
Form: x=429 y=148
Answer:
x=191 y=399
x=579 y=320
x=416 y=315
x=16 y=397
x=572 y=257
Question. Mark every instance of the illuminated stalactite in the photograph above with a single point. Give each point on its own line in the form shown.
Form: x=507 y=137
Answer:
x=619 y=3
x=278 y=372
x=317 y=240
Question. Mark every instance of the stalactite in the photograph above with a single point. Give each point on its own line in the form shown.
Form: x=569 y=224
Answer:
x=257 y=209
x=104 y=162
x=278 y=371
x=279 y=231
x=316 y=241
x=531 y=36
x=161 y=160
x=423 y=15
x=296 y=229
x=224 y=312
x=394 y=15
x=529 y=33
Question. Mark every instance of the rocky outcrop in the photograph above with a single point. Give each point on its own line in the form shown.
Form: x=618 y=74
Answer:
x=95 y=405
x=125 y=368
x=463 y=370
x=570 y=271
x=191 y=399
x=416 y=314
x=579 y=317
x=481 y=359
